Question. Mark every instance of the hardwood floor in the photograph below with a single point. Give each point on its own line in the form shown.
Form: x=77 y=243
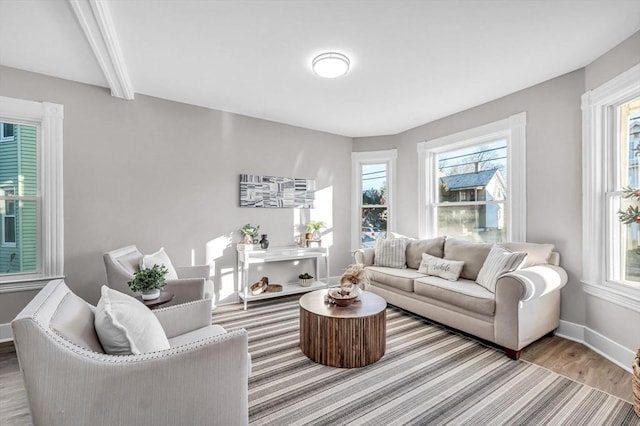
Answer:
x=577 y=362
x=570 y=359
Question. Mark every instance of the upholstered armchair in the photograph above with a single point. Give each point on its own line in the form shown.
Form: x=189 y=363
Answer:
x=201 y=379
x=193 y=282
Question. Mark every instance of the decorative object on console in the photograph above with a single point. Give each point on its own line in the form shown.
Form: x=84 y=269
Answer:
x=149 y=281
x=260 y=286
x=250 y=233
x=314 y=227
x=264 y=242
x=276 y=192
x=305 y=279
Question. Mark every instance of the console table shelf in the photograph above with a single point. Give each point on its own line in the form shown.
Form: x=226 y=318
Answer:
x=246 y=258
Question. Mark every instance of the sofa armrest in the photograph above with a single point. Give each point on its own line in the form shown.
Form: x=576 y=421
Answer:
x=536 y=281
x=185 y=317
x=527 y=305
x=186 y=289
x=198 y=271
x=364 y=256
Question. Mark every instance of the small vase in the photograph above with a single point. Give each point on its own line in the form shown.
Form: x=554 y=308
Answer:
x=151 y=294
x=264 y=242
x=248 y=239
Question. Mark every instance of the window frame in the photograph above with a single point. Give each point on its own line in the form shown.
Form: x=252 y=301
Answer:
x=513 y=130
x=48 y=119
x=600 y=156
x=358 y=159
x=4 y=138
x=8 y=198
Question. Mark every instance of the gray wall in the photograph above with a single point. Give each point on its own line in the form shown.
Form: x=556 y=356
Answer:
x=157 y=173
x=553 y=168
x=554 y=178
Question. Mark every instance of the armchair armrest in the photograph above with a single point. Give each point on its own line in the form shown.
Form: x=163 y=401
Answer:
x=186 y=290
x=364 y=256
x=198 y=271
x=185 y=317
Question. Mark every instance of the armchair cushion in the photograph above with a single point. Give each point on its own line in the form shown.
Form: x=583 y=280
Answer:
x=125 y=326
x=159 y=258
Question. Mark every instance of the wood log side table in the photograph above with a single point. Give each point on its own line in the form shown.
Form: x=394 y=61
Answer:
x=347 y=337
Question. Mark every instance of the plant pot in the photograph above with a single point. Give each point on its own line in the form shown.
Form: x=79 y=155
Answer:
x=151 y=294
x=305 y=282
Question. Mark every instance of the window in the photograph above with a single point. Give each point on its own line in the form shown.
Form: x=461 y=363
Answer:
x=6 y=132
x=472 y=183
x=373 y=188
x=31 y=250
x=8 y=212
x=611 y=159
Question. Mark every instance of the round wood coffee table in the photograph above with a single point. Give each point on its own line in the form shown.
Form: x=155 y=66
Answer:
x=347 y=337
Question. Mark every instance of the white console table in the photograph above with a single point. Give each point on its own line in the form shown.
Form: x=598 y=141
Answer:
x=246 y=258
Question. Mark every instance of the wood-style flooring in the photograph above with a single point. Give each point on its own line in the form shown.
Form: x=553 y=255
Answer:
x=570 y=359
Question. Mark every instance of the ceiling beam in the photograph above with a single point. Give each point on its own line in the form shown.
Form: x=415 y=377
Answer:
x=96 y=23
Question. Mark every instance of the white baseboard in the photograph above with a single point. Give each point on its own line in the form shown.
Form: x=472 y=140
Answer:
x=613 y=351
x=5 y=333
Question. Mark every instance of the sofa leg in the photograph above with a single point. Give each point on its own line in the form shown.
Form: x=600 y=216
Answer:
x=512 y=354
x=551 y=333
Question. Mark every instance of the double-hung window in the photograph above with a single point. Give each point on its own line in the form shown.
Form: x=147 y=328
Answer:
x=472 y=183
x=611 y=164
x=30 y=193
x=373 y=181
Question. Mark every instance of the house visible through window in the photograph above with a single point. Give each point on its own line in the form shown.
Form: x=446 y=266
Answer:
x=373 y=185
x=18 y=201
x=473 y=183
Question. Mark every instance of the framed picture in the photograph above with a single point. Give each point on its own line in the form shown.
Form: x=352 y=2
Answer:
x=276 y=192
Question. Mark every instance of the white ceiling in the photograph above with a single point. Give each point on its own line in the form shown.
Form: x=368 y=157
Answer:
x=412 y=61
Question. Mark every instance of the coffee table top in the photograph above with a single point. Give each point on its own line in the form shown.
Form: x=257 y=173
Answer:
x=368 y=304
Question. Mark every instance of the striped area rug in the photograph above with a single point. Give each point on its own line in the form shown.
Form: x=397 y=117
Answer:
x=428 y=376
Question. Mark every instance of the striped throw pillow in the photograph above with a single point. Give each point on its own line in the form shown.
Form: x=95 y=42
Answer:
x=390 y=253
x=498 y=262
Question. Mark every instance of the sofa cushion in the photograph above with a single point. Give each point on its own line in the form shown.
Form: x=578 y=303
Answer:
x=397 y=278
x=125 y=326
x=499 y=261
x=159 y=258
x=472 y=254
x=415 y=248
x=443 y=268
x=390 y=253
x=537 y=254
x=465 y=294
x=73 y=320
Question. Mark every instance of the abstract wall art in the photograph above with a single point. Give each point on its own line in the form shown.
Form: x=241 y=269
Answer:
x=276 y=192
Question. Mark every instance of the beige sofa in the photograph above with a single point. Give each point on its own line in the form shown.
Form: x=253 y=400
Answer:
x=525 y=306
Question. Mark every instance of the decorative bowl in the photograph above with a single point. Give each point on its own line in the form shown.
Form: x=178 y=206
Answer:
x=343 y=298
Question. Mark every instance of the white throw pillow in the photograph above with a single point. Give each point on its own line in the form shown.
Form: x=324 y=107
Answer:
x=390 y=253
x=125 y=326
x=443 y=268
x=498 y=262
x=159 y=258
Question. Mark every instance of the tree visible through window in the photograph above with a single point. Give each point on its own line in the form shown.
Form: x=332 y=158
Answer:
x=373 y=211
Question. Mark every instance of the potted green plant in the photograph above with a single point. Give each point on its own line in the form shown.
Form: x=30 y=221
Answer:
x=305 y=279
x=314 y=227
x=149 y=281
x=250 y=233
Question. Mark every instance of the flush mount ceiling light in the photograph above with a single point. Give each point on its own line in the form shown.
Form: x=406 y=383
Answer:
x=330 y=65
